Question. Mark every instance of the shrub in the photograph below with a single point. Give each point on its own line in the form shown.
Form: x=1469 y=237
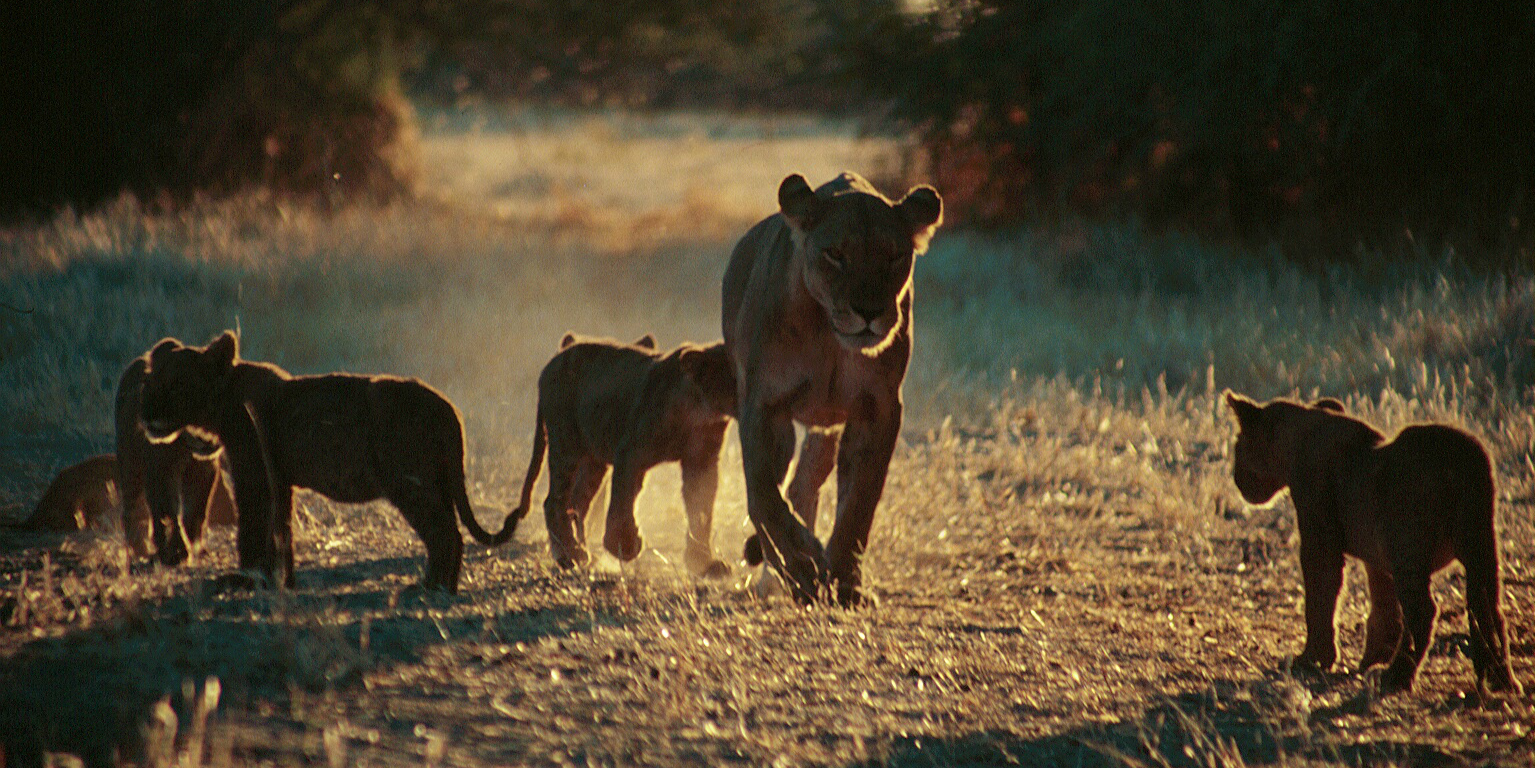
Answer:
x=164 y=98
x=1318 y=123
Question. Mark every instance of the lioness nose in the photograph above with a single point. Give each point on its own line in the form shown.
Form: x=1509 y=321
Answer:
x=869 y=314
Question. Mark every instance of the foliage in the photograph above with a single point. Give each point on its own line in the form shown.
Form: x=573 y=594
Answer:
x=767 y=53
x=173 y=97
x=1325 y=122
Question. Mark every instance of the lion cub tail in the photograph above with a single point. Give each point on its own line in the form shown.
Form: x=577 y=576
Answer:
x=535 y=465
x=460 y=498
x=459 y=495
x=466 y=513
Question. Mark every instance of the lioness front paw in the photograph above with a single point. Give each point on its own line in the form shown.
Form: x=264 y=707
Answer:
x=854 y=596
x=806 y=577
x=576 y=557
x=624 y=543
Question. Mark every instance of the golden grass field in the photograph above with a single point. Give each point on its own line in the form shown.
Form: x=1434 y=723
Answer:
x=1065 y=574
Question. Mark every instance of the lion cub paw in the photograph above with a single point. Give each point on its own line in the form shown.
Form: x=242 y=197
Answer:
x=239 y=581
x=1307 y=663
x=1398 y=678
x=577 y=557
x=711 y=569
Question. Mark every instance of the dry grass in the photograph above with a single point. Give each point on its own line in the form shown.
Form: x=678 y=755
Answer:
x=1065 y=574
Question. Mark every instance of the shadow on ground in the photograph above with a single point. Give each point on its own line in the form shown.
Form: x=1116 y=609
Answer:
x=1249 y=723
x=90 y=691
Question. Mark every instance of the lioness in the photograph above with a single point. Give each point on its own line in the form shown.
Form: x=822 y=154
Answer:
x=351 y=438
x=82 y=495
x=1405 y=507
x=168 y=490
x=817 y=303
x=603 y=403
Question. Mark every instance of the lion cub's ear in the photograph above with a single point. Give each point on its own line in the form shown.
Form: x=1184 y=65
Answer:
x=1329 y=404
x=570 y=338
x=224 y=350
x=648 y=341
x=166 y=344
x=923 y=210
x=799 y=203
x=1248 y=412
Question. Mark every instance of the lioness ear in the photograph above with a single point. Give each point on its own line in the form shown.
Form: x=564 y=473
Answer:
x=648 y=341
x=570 y=338
x=225 y=349
x=1246 y=410
x=1329 y=404
x=798 y=203
x=923 y=210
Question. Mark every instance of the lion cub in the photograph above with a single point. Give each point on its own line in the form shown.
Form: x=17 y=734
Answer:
x=349 y=437
x=82 y=495
x=79 y=497
x=603 y=403
x=169 y=490
x=1405 y=507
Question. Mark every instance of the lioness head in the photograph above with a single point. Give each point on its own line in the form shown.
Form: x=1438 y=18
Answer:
x=180 y=383
x=857 y=248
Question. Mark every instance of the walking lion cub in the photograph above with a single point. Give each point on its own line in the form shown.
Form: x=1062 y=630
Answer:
x=602 y=403
x=1406 y=507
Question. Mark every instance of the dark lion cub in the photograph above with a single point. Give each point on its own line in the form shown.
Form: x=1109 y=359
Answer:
x=350 y=438
x=1406 y=507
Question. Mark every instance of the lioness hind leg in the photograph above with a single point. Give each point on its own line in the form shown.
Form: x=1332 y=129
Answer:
x=817 y=459
x=863 y=460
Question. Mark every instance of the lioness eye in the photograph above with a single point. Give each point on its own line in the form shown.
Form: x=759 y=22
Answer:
x=834 y=258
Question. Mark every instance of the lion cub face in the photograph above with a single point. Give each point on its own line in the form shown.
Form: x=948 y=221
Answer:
x=857 y=249
x=1256 y=458
x=180 y=383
